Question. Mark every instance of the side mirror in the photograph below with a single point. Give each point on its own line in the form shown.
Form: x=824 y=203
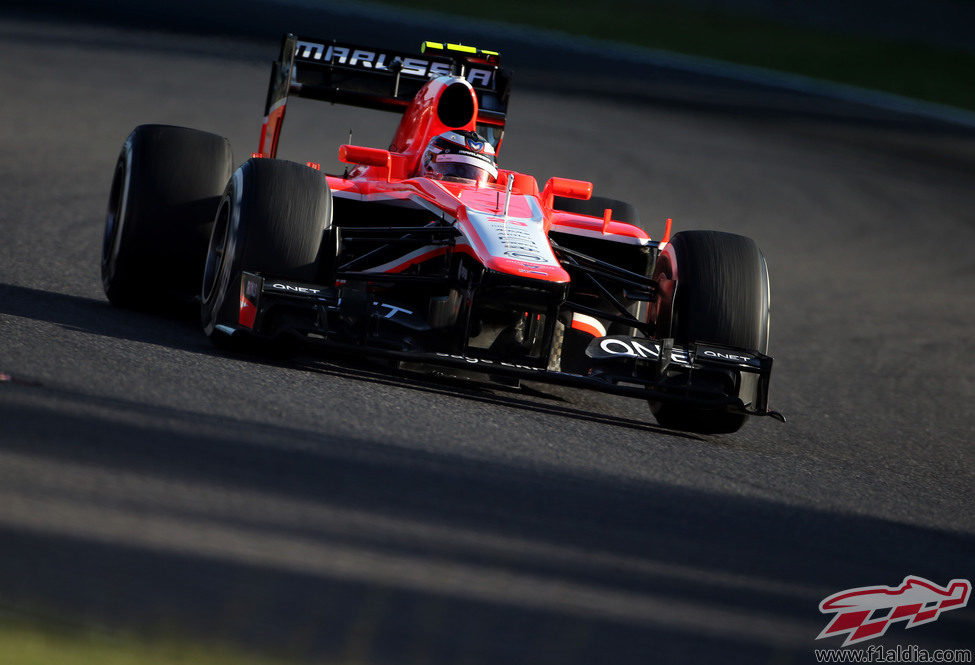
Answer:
x=357 y=154
x=570 y=189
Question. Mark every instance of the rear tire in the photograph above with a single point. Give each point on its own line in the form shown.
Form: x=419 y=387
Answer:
x=595 y=206
x=167 y=184
x=273 y=219
x=722 y=297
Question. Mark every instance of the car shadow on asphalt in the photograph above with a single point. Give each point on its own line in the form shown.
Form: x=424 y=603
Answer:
x=179 y=328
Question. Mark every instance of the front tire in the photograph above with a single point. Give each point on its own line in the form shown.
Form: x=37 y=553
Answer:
x=722 y=297
x=165 y=190
x=273 y=219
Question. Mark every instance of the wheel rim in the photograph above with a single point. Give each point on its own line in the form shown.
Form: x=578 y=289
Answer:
x=216 y=251
x=113 y=221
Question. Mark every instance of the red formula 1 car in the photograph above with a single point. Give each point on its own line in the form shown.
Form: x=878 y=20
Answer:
x=429 y=253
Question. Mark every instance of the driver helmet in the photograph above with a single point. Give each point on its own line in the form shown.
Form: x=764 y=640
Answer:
x=460 y=155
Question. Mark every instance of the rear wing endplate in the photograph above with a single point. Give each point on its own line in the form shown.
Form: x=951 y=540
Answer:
x=382 y=79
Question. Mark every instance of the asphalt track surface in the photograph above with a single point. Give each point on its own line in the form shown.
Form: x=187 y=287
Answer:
x=334 y=511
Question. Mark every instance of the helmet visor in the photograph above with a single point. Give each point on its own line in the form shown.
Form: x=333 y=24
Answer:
x=466 y=167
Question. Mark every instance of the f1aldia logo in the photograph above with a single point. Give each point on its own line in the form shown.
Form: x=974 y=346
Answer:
x=866 y=612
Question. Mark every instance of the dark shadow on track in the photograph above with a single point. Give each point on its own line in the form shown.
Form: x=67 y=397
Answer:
x=487 y=394
x=318 y=619
x=616 y=536
x=99 y=317
x=181 y=332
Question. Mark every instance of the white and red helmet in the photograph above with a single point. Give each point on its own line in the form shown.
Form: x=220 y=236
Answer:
x=460 y=155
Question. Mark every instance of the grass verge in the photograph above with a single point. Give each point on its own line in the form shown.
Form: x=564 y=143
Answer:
x=913 y=70
x=23 y=643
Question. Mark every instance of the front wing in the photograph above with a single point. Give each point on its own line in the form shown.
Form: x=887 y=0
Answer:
x=701 y=375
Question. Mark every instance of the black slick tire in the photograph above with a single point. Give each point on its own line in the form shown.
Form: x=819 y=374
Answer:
x=722 y=297
x=165 y=190
x=274 y=219
x=595 y=206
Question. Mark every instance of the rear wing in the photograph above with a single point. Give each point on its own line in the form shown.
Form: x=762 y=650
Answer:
x=382 y=79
